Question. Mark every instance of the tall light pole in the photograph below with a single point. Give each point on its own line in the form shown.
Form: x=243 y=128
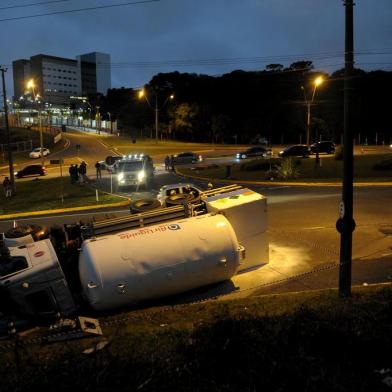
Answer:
x=317 y=82
x=346 y=223
x=10 y=159
x=31 y=86
x=142 y=94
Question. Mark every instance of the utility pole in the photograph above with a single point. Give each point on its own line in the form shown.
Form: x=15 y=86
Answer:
x=156 y=117
x=7 y=128
x=346 y=223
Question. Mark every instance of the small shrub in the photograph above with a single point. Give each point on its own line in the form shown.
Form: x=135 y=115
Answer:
x=287 y=169
x=339 y=153
x=383 y=165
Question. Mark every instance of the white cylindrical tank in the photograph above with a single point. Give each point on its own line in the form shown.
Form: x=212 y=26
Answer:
x=158 y=261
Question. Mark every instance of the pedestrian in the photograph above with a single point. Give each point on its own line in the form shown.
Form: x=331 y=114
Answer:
x=167 y=162
x=172 y=162
x=7 y=187
x=98 y=168
x=75 y=174
x=82 y=172
x=71 y=173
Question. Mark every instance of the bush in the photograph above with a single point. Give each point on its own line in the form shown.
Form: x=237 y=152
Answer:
x=339 y=153
x=383 y=165
x=287 y=169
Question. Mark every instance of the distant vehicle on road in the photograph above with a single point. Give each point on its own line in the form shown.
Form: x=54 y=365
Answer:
x=31 y=170
x=324 y=146
x=36 y=153
x=297 y=150
x=187 y=157
x=259 y=151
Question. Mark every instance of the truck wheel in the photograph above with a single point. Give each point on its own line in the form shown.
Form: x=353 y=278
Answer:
x=144 y=205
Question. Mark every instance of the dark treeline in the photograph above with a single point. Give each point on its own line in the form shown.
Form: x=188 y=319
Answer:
x=244 y=106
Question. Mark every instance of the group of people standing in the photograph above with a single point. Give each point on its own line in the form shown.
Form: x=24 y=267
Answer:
x=169 y=162
x=78 y=173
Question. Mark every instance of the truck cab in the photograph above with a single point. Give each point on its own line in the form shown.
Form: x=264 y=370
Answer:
x=134 y=169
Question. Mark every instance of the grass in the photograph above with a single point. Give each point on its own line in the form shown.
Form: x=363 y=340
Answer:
x=330 y=169
x=309 y=342
x=45 y=194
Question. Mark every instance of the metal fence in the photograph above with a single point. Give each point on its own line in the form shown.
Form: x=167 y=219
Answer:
x=16 y=147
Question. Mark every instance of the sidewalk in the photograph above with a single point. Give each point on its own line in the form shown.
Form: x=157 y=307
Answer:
x=91 y=131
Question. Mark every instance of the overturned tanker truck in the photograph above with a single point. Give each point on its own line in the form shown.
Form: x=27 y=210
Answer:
x=123 y=261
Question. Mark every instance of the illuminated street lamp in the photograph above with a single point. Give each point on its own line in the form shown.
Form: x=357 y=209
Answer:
x=316 y=83
x=142 y=95
x=31 y=86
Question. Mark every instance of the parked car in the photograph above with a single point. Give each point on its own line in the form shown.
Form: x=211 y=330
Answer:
x=259 y=151
x=36 y=153
x=325 y=146
x=187 y=157
x=177 y=192
x=297 y=150
x=31 y=170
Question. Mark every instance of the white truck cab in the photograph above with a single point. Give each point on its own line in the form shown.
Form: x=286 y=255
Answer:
x=134 y=169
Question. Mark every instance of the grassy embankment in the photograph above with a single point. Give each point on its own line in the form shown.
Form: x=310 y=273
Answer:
x=25 y=135
x=330 y=169
x=298 y=342
x=45 y=194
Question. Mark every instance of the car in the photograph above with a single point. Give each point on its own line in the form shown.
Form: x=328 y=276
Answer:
x=297 y=150
x=187 y=157
x=259 y=151
x=174 y=193
x=36 y=153
x=31 y=170
x=324 y=146
x=108 y=163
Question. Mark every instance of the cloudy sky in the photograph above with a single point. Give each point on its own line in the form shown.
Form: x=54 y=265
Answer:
x=202 y=36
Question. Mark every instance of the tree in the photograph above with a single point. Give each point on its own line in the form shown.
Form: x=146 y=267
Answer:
x=303 y=65
x=274 y=67
x=220 y=127
x=183 y=116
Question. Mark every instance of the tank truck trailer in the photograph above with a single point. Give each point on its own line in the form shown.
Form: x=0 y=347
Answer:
x=123 y=261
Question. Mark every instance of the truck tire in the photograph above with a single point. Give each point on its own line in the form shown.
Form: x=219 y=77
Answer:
x=144 y=205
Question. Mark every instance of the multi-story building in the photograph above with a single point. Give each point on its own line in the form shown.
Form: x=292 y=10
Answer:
x=56 y=79
x=95 y=71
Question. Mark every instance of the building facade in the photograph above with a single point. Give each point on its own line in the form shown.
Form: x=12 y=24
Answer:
x=56 y=79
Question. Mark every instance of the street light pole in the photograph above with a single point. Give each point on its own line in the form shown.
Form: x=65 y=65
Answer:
x=10 y=159
x=346 y=223
x=156 y=118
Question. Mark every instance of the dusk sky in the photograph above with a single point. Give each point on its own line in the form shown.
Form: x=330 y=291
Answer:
x=144 y=39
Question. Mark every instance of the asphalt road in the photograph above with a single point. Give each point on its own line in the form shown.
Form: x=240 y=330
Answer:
x=301 y=231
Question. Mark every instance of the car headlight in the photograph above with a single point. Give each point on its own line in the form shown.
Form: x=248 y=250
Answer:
x=141 y=175
x=243 y=156
x=237 y=155
x=120 y=176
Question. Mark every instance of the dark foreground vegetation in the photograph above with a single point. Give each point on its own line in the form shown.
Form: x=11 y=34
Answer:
x=297 y=342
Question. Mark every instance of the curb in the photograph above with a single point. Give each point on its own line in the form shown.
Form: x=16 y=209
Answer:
x=282 y=183
x=64 y=210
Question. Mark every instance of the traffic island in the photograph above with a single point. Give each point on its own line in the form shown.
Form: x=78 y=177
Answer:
x=55 y=195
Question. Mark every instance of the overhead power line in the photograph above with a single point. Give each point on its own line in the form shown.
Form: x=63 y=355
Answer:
x=33 y=4
x=79 y=10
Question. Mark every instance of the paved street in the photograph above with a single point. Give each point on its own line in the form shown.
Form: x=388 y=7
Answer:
x=302 y=229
